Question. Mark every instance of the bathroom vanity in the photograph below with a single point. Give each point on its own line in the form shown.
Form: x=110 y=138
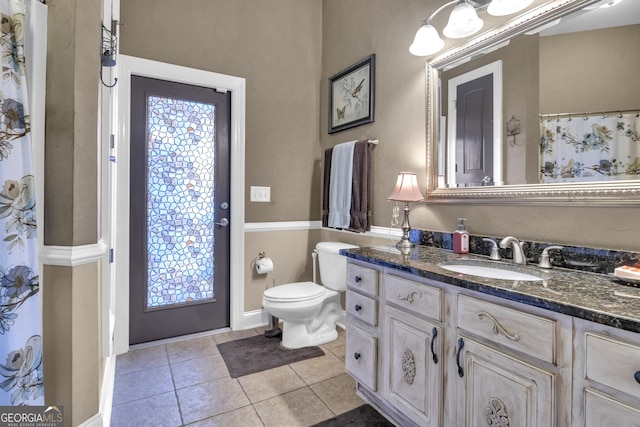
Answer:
x=432 y=347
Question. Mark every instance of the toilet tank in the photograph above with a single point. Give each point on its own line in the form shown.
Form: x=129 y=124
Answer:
x=333 y=266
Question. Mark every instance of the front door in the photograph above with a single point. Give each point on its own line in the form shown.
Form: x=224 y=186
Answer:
x=179 y=209
x=474 y=132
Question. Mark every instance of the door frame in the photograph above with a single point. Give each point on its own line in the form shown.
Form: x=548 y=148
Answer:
x=128 y=66
x=494 y=68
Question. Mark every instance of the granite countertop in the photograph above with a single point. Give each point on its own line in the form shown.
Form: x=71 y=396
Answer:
x=595 y=297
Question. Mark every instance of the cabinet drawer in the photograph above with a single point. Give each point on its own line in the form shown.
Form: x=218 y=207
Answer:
x=362 y=308
x=361 y=356
x=363 y=279
x=613 y=363
x=601 y=410
x=529 y=334
x=413 y=296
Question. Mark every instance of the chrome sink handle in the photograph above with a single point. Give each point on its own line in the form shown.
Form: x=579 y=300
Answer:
x=495 y=254
x=544 y=258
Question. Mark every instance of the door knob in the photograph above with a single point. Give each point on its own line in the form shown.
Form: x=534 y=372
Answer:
x=223 y=222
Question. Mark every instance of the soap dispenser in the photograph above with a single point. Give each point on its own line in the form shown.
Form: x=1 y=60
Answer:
x=461 y=238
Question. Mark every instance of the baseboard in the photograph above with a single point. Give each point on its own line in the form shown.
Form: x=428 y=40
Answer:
x=255 y=319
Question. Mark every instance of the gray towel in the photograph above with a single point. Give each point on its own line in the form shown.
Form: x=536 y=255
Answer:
x=341 y=184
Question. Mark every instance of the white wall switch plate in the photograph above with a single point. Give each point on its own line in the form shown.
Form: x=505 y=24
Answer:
x=260 y=194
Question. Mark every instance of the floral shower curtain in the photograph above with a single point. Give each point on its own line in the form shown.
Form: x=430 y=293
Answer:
x=602 y=147
x=21 y=380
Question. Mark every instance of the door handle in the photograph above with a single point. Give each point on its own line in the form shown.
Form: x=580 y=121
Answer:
x=223 y=222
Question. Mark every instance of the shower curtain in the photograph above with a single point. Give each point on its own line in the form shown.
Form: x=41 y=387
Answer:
x=21 y=381
x=602 y=147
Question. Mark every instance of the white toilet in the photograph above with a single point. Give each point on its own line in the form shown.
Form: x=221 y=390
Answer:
x=309 y=311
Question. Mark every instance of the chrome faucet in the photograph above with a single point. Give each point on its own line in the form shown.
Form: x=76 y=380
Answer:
x=516 y=246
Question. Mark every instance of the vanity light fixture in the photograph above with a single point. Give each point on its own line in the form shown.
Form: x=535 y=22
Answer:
x=463 y=22
x=407 y=191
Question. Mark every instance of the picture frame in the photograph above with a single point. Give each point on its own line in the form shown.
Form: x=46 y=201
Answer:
x=351 y=95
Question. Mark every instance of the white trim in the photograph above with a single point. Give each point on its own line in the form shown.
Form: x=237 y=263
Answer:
x=128 y=66
x=255 y=319
x=282 y=226
x=72 y=256
x=494 y=68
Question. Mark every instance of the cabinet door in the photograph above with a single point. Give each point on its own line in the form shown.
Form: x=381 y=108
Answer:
x=361 y=356
x=496 y=389
x=413 y=372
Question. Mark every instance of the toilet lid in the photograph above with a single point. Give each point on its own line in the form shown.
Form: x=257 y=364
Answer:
x=300 y=291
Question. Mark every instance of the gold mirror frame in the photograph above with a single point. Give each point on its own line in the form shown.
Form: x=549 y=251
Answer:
x=588 y=193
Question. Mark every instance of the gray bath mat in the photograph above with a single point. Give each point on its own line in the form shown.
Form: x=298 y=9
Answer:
x=250 y=355
x=362 y=416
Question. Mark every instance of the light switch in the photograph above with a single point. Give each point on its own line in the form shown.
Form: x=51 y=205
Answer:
x=260 y=194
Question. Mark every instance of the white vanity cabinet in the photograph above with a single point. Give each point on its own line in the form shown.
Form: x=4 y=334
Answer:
x=505 y=366
x=413 y=368
x=362 y=346
x=607 y=376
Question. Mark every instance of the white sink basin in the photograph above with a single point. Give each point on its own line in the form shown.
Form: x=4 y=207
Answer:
x=490 y=272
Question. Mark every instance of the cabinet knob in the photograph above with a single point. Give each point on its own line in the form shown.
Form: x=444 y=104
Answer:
x=358 y=307
x=358 y=279
x=356 y=355
x=637 y=376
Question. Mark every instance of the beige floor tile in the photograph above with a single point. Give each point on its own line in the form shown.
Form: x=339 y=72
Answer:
x=140 y=384
x=196 y=371
x=243 y=417
x=191 y=349
x=338 y=351
x=338 y=393
x=300 y=408
x=156 y=411
x=234 y=335
x=144 y=358
x=210 y=399
x=319 y=368
x=273 y=382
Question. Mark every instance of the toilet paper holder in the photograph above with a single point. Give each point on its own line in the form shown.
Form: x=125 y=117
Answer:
x=263 y=264
x=262 y=255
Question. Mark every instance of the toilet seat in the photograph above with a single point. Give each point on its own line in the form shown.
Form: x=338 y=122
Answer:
x=294 y=292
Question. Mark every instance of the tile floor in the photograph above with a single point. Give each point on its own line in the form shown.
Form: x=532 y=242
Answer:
x=186 y=382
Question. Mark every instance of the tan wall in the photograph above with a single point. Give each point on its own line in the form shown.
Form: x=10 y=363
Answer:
x=387 y=28
x=276 y=46
x=73 y=363
x=590 y=71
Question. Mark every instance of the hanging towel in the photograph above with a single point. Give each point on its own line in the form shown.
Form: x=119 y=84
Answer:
x=340 y=185
x=361 y=188
x=326 y=180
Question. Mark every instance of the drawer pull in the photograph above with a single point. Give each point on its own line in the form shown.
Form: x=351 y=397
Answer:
x=409 y=297
x=460 y=346
x=434 y=334
x=356 y=355
x=637 y=376
x=358 y=279
x=358 y=307
x=497 y=328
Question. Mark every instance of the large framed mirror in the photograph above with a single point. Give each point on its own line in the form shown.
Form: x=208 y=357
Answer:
x=563 y=123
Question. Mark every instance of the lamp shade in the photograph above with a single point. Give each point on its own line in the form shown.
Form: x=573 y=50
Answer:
x=507 y=7
x=463 y=22
x=406 y=189
x=426 y=41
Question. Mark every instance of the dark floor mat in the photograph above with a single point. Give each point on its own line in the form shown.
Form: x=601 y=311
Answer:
x=250 y=355
x=362 y=416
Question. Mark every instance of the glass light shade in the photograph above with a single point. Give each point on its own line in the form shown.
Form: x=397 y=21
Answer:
x=507 y=7
x=406 y=189
x=426 y=41
x=463 y=22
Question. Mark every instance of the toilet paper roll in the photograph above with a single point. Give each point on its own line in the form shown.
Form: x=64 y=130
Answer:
x=264 y=265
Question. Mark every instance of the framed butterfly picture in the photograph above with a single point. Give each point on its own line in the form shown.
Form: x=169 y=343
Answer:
x=351 y=95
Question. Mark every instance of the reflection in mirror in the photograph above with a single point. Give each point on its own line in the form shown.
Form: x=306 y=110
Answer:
x=532 y=113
